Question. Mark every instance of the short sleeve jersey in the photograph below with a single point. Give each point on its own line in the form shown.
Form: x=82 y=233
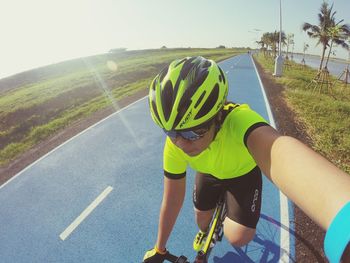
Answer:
x=227 y=155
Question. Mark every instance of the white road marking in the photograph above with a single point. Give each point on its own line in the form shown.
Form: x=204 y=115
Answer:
x=284 y=239
x=85 y=213
x=239 y=59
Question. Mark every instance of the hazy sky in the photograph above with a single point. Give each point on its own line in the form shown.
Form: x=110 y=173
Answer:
x=39 y=32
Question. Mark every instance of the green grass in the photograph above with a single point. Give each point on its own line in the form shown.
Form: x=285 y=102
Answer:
x=42 y=102
x=325 y=116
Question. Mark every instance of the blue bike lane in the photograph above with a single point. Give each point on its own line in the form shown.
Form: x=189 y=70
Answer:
x=96 y=198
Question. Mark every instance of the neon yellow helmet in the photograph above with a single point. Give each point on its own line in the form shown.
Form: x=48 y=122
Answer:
x=187 y=93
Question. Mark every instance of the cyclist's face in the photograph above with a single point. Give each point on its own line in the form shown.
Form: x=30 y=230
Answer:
x=193 y=148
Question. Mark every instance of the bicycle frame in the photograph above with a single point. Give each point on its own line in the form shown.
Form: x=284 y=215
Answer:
x=215 y=232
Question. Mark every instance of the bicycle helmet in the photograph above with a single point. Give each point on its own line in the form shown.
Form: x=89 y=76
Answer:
x=187 y=93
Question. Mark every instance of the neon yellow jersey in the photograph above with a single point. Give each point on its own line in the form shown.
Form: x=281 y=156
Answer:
x=227 y=155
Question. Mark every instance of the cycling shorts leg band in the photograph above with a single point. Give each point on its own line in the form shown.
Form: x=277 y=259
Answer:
x=243 y=195
x=338 y=235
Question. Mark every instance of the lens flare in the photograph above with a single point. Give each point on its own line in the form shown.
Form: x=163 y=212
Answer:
x=108 y=94
x=112 y=66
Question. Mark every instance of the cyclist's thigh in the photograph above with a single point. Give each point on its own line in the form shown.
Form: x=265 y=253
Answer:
x=206 y=191
x=243 y=198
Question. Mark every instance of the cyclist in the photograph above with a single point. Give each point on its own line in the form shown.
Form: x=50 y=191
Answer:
x=227 y=144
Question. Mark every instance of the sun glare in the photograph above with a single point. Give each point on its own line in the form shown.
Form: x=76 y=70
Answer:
x=112 y=66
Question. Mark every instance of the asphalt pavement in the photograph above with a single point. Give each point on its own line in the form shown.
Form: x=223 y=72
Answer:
x=96 y=198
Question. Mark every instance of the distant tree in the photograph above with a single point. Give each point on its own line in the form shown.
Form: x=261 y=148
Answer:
x=221 y=46
x=163 y=47
x=290 y=41
x=264 y=43
x=261 y=43
x=321 y=31
x=266 y=40
x=338 y=34
x=271 y=40
x=274 y=40
x=305 y=47
x=117 y=50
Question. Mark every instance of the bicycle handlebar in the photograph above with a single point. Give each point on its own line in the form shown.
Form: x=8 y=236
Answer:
x=174 y=259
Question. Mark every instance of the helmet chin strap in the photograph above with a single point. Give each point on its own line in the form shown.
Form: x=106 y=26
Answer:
x=218 y=123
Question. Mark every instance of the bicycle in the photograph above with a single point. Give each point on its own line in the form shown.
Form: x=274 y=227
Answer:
x=216 y=231
x=215 y=235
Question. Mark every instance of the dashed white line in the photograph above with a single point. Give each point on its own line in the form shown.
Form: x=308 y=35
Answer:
x=239 y=59
x=85 y=213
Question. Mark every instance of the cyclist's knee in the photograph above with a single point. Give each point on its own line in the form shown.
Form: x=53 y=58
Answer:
x=203 y=214
x=239 y=240
x=203 y=218
x=237 y=234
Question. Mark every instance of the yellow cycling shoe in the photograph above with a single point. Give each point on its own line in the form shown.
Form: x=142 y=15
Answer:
x=199 y=240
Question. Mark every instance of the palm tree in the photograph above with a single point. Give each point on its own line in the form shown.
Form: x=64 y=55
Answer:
x=275 y=38
x=321 y=31
x=338 y=34
x=306 y=46
x=290 y=41
x=269 y=39
x=261 y=43
x=264 y=41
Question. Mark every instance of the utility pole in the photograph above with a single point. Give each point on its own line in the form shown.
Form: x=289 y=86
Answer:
x=279 y=58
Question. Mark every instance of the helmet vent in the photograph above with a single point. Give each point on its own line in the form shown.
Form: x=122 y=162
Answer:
x=206 y=64
x=222 y=76
x=154 y=107
x=184 y=104
x=181 y=61
x=167 y=99
x=187 y=67
x=200 y=99
x=201 y=78
x=163 y=73
x=209 y=103
x=154 y=85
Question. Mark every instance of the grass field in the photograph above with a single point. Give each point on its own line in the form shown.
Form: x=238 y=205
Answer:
x=38 y=103
x=325 y=115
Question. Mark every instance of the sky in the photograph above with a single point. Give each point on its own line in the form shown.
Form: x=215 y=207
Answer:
x=36 y=33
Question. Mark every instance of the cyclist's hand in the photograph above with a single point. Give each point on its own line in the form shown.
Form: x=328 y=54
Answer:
x=152 y=256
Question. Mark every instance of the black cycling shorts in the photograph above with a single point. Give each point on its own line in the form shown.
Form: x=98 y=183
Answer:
x=243 y=195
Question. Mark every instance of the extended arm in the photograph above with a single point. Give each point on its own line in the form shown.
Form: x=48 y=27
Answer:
x=318 y=187
x=173 y=197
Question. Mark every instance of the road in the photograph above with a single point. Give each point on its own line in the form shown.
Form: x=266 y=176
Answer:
x=96 y=198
